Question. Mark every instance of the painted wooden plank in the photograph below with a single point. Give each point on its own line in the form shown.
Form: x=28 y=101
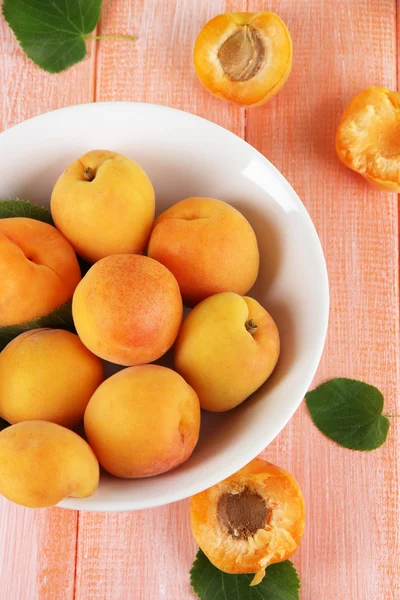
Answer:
x=37 y=548
x=352 y=543
x=148 y=554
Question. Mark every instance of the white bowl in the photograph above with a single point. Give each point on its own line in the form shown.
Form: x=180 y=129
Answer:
x=185 y=155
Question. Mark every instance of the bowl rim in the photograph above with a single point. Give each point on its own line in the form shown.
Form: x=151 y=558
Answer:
x=248 y=453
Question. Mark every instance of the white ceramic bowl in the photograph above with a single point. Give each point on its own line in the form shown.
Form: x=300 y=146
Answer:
x=185 y=155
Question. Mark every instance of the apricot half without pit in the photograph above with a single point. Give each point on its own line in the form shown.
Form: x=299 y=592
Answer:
x=368 y=140
x=244 y=57
x=250 y=520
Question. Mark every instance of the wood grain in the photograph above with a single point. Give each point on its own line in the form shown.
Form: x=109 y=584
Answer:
x=352 y=543
x=37 y=548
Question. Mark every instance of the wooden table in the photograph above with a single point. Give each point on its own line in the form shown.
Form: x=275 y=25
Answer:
x=351 y=547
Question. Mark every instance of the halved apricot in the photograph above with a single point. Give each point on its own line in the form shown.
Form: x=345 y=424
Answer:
x=244 y=57
x=250 y=520
x=368 y=137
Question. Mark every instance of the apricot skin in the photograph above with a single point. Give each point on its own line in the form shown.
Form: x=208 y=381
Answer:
x=39 y=270
x=284 y=526
x=49 y=375
x=112 y=214
x=42 y=463
x=272 y=72
x=218 y=357
x=128 y=309
x=208 y=245
x=143 y=421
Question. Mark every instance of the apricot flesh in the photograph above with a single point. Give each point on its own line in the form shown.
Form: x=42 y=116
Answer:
x=367 y=139
x=208 y=245
x=42 y=463
x=128 y=309
x=244 y=57
x=250 y=520
x=104 y=204
x=227 y=348
x=143 y=421
x=49 y=375
x=39 y=270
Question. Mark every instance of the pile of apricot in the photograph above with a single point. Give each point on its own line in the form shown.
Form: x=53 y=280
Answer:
x=127 y=309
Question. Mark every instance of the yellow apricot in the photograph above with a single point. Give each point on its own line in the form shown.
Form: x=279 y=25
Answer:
x=49 y=375
x=42 y=463
x=104 y=204
x=226 y=349
x=143 y=421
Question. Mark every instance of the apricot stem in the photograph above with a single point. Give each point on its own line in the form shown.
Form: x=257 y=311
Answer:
x=251 y=326
x=131 y=38
x=392 y=416
x=88 y=174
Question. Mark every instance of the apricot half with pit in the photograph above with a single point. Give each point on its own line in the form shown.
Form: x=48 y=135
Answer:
x=250 y=520
x=244 y=57
x=368 y=137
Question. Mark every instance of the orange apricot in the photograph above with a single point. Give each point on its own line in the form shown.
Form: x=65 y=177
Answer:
x=208 y=245
x=244 y=57
x=250 y=520
x=367 y=139
x=42 y=463
x=39 y=270
x=48 y=375
x=143 y=421
x=128 y=309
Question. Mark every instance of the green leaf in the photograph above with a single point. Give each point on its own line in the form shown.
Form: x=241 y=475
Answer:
x=52 y=32
x=281 y=582
x=60 y=318
x=23 y=208
x=349 y=412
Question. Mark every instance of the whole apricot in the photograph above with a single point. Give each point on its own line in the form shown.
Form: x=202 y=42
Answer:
x=208 y=245
x=39 y=270
x=128 y=309
x=42 y=463
x=367 y=139
x=244 y=57
x=250 y=520
x=104 y=204
x=227 y=348
x=143 y=421
x=49 y=375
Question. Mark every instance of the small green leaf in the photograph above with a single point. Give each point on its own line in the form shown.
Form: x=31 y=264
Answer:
x=52 y=32
x=281 y=582
x=349 y=412
x=23 y=208
x=60 y=318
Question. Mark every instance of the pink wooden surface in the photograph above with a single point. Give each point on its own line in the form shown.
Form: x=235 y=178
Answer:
x=352 y=543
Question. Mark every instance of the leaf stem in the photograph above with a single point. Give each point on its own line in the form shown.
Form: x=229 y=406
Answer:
x=131 y=38
x=392 y=416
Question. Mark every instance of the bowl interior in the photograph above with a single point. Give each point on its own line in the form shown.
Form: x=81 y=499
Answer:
x=185 y=155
